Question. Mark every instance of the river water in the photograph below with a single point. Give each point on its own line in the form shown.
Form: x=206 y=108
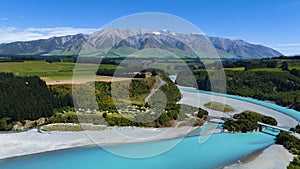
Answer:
x=219 y=150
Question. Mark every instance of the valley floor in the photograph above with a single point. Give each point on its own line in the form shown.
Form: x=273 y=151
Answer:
x=31 y=142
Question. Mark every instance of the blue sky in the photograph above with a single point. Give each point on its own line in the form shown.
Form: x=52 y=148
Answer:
x=275 y=23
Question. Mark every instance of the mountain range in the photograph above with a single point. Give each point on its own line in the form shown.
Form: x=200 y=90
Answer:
x=124 y=42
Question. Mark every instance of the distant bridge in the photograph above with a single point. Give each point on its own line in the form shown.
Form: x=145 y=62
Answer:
x=208 y=117
x=260 y=124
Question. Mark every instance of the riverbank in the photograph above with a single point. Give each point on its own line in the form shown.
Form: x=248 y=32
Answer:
x=275 y=157
x=33 y=141
x=199 y=99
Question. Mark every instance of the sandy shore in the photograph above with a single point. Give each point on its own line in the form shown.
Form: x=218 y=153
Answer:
x=32 y=141
x=273 y=157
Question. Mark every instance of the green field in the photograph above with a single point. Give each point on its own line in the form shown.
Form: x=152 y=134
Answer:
x=235 y=69
x=256 y=70
x=293 y=63
x=267 y=70
x=51 y=71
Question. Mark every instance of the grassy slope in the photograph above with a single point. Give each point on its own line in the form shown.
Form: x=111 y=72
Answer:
x=267 y=70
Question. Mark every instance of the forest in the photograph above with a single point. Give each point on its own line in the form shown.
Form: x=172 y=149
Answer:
x=24 y=98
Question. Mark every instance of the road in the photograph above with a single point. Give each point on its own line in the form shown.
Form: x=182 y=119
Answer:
x=161 y=83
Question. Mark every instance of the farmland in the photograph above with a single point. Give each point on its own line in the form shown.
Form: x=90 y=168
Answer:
x=55 y=71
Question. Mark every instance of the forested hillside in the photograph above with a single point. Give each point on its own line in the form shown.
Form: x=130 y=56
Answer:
x=29 y=98
x=282 y=87
x=24 y=98
x=139 y=89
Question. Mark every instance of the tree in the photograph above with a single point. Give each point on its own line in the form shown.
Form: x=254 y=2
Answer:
x=285 y=66
x=147 y=105
x=153 y=73
x=104 y=115
x=3 y=124
x=164 y=118
x=296 y=129
x=201 y=113
x=295 y=72
x=271 y=64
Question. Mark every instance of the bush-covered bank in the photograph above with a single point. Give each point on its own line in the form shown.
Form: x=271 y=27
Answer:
x=291 y=143
x=247 y=121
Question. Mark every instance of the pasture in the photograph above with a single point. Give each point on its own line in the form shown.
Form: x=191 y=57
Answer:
x=51 y=71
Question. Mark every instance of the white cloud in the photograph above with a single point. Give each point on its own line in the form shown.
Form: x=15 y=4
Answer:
x=11 y=34
x=287 y=49
x=3 y=19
